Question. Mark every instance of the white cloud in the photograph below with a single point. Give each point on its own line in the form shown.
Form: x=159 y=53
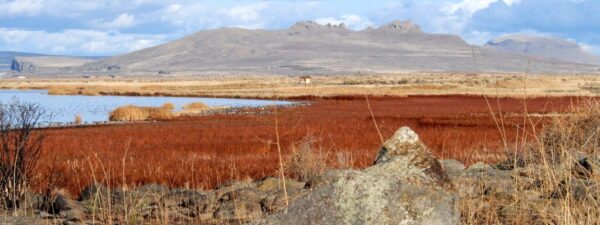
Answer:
x=510 y=2
x=87 y=42
x=595 y=49
x=246 y=13
x=70 y=9
x=194 y=16
x=472 y=6
x=456 y=17
x=469 y=6
x=354 y=22
x=173 y=8
x=122 y=21
x=20 y=7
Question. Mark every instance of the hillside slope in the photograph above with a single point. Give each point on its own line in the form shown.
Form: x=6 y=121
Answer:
x=547 y=47
x=6 y=58
x=47 y=64
x=311 y=48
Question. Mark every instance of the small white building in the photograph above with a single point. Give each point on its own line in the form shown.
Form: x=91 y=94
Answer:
x=305 y=79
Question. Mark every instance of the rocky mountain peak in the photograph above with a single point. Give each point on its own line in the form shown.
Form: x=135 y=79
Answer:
x=399 y=25
x=314 y=26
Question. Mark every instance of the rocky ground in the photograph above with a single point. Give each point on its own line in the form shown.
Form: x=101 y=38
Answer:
x=406 y=185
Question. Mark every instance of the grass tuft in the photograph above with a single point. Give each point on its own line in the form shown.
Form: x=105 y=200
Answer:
x=196 y=106
x=78 y=120
x=306 y=161
x=168 y=106
x=136 y=113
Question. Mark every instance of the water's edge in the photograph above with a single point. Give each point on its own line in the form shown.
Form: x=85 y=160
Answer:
x=62 y=109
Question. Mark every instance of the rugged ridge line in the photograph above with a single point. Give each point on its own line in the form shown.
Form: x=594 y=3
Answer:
x=311 y=48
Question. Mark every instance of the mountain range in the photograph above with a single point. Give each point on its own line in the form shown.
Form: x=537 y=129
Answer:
x=6 y=58
x=311 y=48
x=544 y=47
x=34 y=63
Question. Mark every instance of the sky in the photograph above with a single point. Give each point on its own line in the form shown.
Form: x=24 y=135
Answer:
x=112 y=27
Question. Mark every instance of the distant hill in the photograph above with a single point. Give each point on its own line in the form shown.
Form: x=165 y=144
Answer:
x=311 y=48
x=47 y=64
x=542 y=46
x=6 y=58
x=32 y=63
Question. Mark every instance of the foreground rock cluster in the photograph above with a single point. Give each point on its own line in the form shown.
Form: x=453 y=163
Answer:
x=514 y=193
x=406 y=185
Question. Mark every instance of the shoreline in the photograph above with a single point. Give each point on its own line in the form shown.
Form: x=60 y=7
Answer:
x=286 y=87
x=245 y=110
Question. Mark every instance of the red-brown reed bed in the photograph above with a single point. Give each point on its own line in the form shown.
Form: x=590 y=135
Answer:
x=206 y=151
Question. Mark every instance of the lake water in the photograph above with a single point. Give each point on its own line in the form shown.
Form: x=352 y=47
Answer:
x=64 y=108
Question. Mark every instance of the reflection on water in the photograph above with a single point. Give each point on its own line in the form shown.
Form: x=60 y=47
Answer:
x=63 y=108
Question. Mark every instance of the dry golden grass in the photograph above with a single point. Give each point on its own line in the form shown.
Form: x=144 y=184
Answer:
x=283 y=86
x=136 y=113
x=558 y=182
x=306 y=160
x=168 y=106
x=196 y=106
x=78 y=120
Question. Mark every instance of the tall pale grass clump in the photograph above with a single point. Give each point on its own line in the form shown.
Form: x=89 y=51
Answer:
x=168 y=106
x=576 y=132
x=556 y=176
x=306 y=160
x=196 y=106
x=78 y=120
x=137 y=113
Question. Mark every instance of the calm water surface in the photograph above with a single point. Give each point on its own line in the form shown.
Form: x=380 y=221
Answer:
x=63 y=108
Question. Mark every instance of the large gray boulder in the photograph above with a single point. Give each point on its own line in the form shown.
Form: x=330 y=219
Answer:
x=407 y=185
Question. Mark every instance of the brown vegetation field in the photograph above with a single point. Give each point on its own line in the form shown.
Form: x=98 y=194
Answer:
x=204 y=151
x=269 y=86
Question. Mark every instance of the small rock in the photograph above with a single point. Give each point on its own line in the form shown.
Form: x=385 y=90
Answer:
x=273 y=185
x=101 y=193
x=582 y=169
x=34 y=201
x=480 y=166
x=532 y=195
x=482 y=179
x=153 y=188
x=46 y=215
x=191 y=203
x=579 y=189
x=232 y=186
x=404 y=139
x=325 y=179
x=510 y=164
x=67 y=208
x=19 y=220
x=452 y=167
x=278 y=201
x=240 y=205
